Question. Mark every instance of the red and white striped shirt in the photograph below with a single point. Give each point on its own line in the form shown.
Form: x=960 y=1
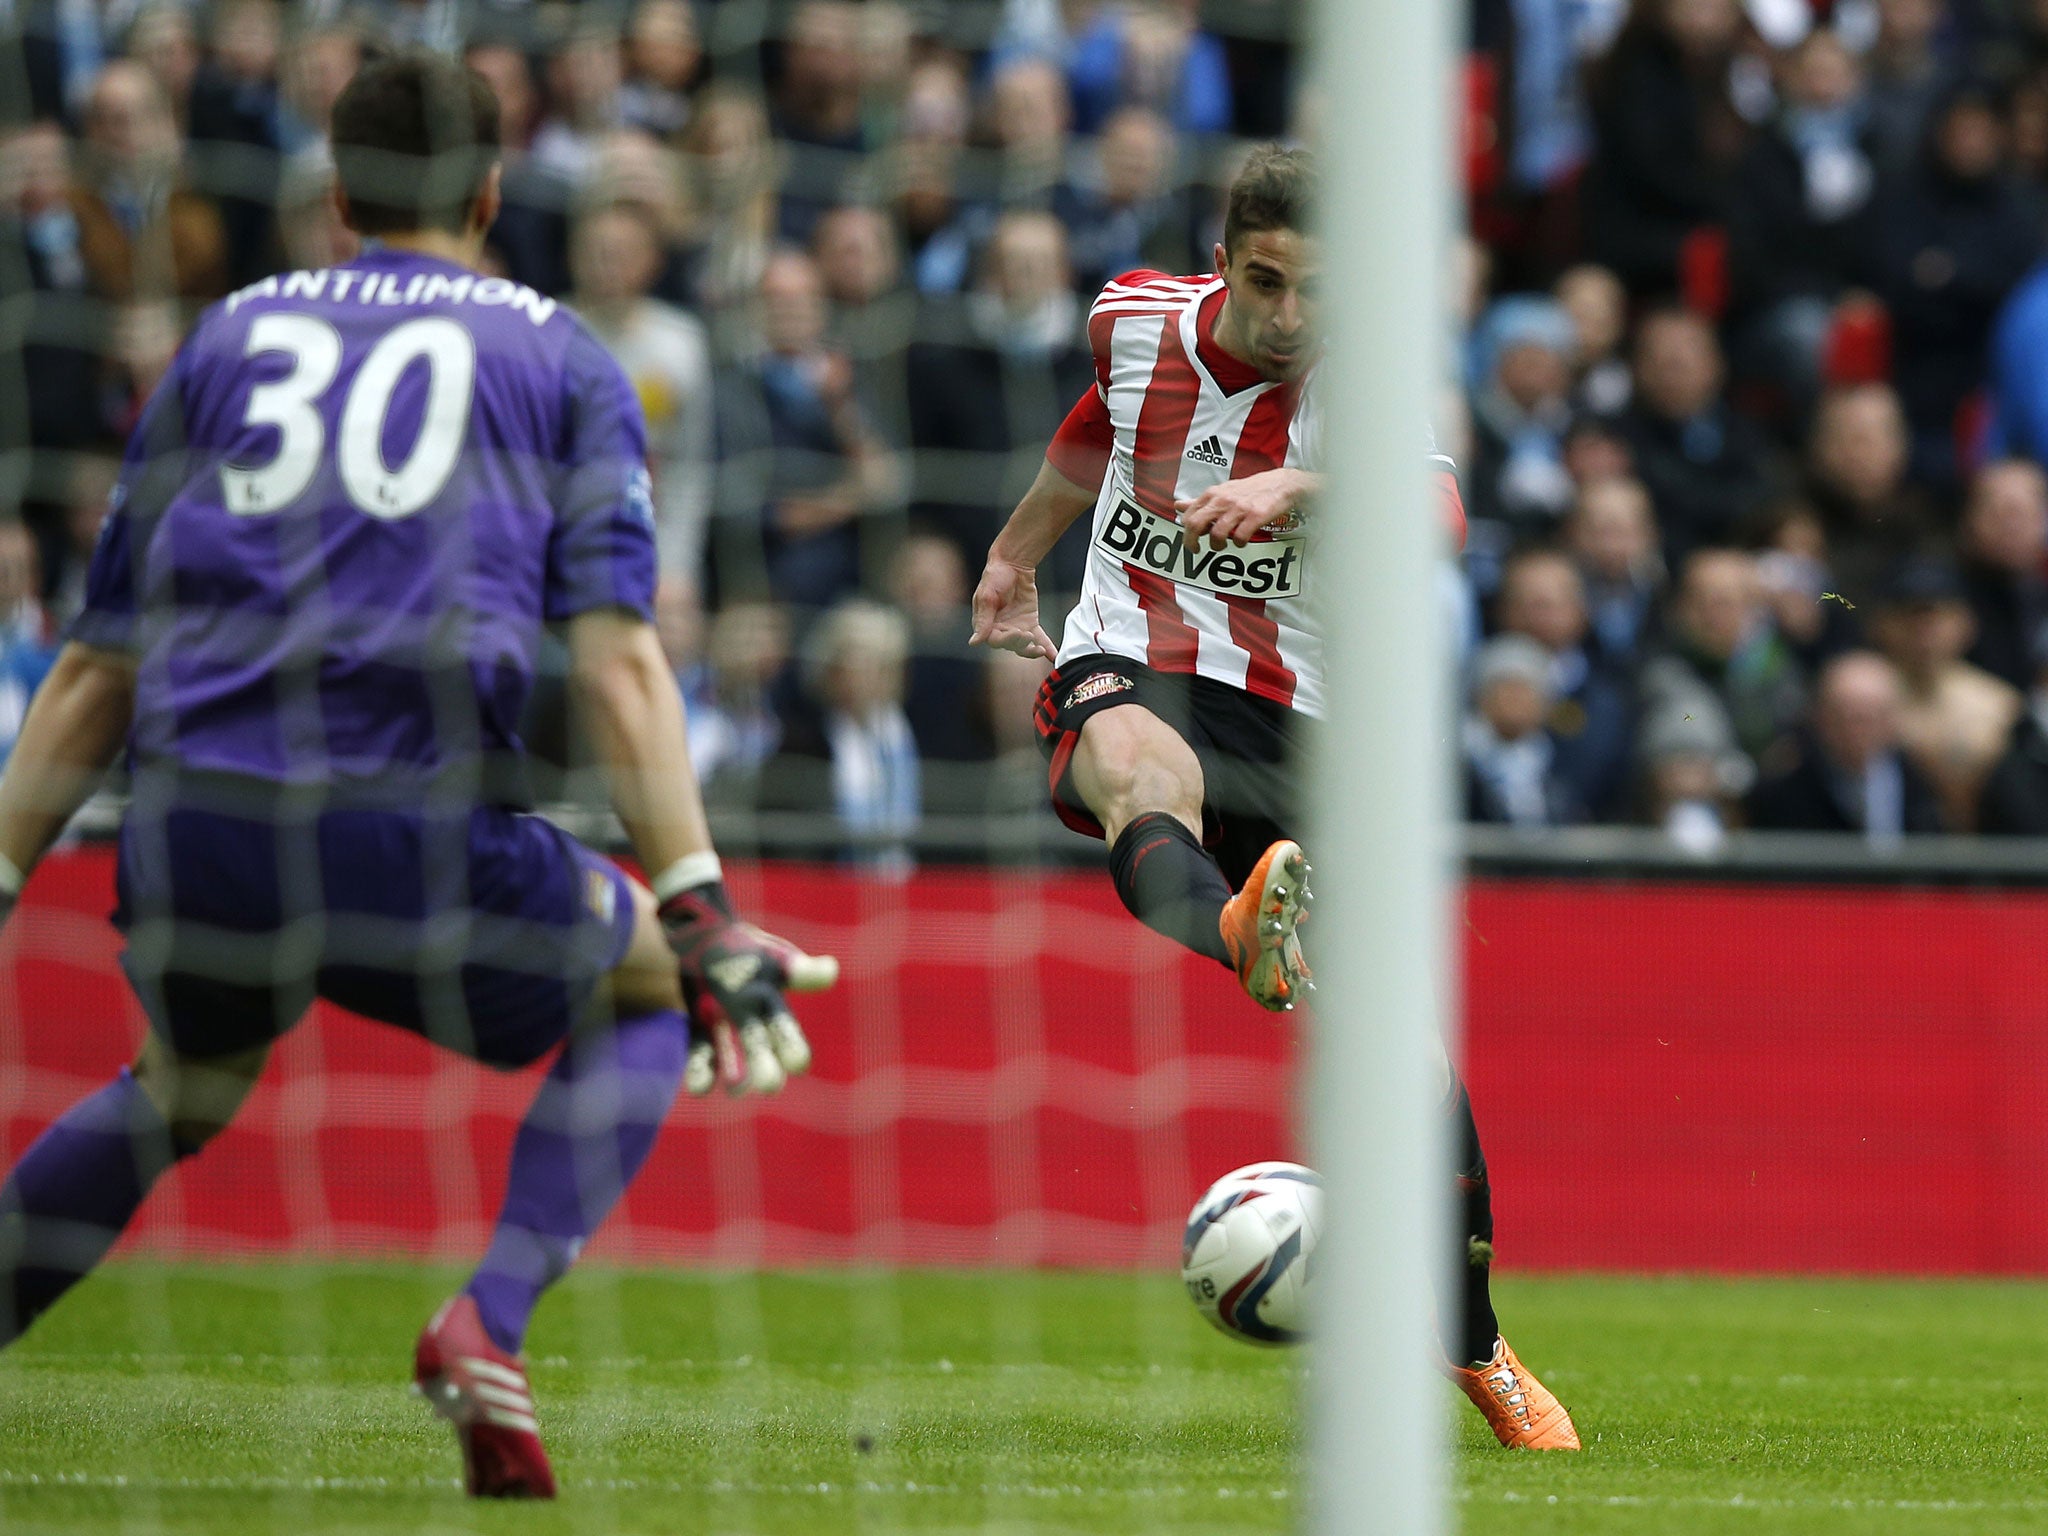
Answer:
x=1172 y=415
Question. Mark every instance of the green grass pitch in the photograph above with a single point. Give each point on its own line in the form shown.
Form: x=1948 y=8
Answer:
x=269 y=1399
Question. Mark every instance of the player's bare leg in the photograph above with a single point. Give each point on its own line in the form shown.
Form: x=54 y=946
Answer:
x=81 y=1182
x=1144 y=783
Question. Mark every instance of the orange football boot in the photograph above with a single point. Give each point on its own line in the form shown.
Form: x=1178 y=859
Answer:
x=1258 y=926
x=1522 y=1413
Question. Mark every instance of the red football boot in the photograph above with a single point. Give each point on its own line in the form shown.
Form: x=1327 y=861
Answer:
x=483 y=1392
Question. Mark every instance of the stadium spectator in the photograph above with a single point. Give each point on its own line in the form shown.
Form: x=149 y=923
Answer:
x=1722 y=655
x=936 y=105
x=1151 y=54
x=663 y=55
x=1666 y=136
x=1612 y=534
x=874 y=315
x=1539 y=54
x=944 y=696
x=1693 y=775
x=666 y=354
x=636 y=169
x=585 y=76
x=848 y=745
x=531 y=234
x=45 y=278
x=734 y=168
x=142 y=232
x=891 y=35
x=1952 y=237
x=317 y=65
x=1014 y=779
x=1799 y=585
x=1128 y=214
x=164 y=40
x=818 y=112
x=1701 y=462
x=141 y=340
x=799 y=466
x=2027 y=120
x=858 y=257
x=1027 y=119
x=1594 y=449
x=1798 y=219
x=1850 y=774
x=992 y=384
x=1858 y=479
x=2015 y=796
x=1521 y=408
x=734 y=721
x=1598 y=306
x=1906 y=73
x=1954 y=718
x=27 y=638
x=2005 y=569
x=1591 y=718
x=933 y=117
x=1511 y=773
x=230 y=109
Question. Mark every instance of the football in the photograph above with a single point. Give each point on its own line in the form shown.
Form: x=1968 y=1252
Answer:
x=1246 y=1253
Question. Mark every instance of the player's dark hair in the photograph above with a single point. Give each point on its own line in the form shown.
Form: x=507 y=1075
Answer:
x=415 y=135
x=1275 y=190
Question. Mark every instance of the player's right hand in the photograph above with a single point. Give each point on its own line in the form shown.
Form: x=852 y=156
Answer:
x=1006 y=611
x=734 y=979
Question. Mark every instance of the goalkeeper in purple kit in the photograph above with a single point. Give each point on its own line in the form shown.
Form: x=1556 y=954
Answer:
x=347 y=517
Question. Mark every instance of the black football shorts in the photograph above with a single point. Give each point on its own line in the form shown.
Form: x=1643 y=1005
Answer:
x=1249 y=749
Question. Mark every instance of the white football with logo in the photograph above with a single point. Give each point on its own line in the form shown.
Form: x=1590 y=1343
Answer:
x=1246 y=1254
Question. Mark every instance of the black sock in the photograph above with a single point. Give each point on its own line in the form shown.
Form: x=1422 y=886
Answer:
x=1170 y=883
x=1476 y=1327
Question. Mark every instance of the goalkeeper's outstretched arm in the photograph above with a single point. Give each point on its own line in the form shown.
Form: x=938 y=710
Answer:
x=733 y=975
x=635 y=715
x=76 y=723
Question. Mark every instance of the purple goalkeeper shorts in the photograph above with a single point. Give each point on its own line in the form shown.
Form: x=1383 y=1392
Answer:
x=485 y=931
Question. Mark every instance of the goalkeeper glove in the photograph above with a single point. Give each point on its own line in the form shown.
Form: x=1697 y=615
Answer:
x=734 y=979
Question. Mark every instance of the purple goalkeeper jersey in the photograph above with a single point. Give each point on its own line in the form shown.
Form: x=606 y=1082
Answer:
x=347 y=515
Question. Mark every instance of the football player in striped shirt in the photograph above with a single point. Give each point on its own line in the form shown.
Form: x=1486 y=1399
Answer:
x=349 y=512
x=1192 y=666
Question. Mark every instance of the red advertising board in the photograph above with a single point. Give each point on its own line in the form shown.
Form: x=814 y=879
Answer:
x=1668 y=1077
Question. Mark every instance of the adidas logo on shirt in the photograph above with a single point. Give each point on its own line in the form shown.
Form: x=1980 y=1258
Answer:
x=1210 y=451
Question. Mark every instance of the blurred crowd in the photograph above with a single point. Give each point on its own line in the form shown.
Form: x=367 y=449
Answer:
x=1750 y=357
x=1753 y=356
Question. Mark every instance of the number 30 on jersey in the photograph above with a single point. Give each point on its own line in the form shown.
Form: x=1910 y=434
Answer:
x=291 y=404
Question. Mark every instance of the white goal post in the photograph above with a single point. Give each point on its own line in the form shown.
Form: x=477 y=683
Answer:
x=1381 y=789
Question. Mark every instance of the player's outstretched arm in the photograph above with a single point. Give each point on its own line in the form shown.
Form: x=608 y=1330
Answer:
x=734 y=975
x=75 y=725
x=1006 y=601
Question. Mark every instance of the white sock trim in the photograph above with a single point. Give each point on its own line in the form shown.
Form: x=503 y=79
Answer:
x=11 y=877
x=692 y=869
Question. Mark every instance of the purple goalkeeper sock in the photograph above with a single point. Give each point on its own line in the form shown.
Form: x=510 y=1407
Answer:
x=590 y=1128
x=73 y=1193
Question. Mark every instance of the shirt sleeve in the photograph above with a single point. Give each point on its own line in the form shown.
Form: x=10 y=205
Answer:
x=601 y=553
x=152 y=471
x=1450 y=498
x=1081 y=448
